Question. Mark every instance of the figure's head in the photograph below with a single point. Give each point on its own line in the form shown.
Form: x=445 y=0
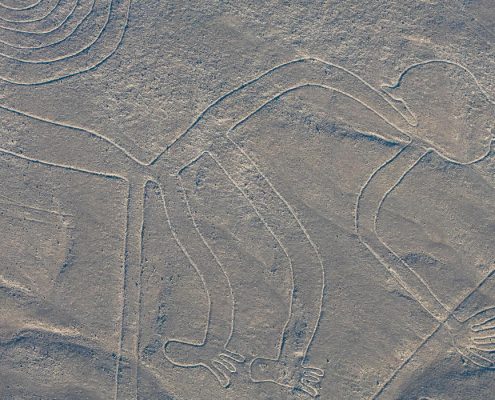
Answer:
x=454 y=115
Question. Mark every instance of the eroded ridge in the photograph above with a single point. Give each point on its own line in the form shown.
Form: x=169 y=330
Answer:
x=56 y=39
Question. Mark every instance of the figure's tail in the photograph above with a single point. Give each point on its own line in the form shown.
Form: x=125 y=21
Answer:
x=41 y=45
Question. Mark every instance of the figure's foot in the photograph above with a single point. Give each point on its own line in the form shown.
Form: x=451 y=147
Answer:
x=216 y=358
x=292 y=375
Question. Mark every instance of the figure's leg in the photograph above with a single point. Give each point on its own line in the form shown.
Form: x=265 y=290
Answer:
x=126 y=373
x=290 y=368
x=212 y=353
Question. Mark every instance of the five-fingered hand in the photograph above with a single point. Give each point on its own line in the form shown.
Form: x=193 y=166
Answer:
x=474 y=338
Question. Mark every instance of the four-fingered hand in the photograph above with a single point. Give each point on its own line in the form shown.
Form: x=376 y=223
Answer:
x=474 y=338
x=292 y=375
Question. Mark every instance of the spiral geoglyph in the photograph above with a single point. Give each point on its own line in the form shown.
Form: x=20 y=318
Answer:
x=46 y=40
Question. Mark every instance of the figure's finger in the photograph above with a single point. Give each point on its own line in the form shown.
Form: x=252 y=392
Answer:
x=486 y=347
x=483 y=318
x=227 y=363
x=478 y=359
x=235 y=356
x=484 y=340
x=473 y=358
x=217 y=369
x=489 y=324
x=311 y=377
x=316 y=371
x=308 y=388
x=485 y=333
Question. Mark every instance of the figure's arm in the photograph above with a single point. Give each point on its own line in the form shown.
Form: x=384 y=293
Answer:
x=481 y=297
x=370 y=199
x=53 y=143
x=236 y=106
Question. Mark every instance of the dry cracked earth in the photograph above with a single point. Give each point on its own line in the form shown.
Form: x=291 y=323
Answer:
x=247 y=200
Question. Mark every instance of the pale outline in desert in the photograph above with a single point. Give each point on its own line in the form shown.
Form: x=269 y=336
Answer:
x=35 y=51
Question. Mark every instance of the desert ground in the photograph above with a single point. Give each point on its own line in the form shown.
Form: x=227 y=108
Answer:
x=247 y=200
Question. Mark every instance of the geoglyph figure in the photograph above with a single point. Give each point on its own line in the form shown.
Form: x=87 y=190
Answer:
x=77 y=37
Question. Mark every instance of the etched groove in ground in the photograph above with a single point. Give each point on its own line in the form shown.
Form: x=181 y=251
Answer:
x=74 y=37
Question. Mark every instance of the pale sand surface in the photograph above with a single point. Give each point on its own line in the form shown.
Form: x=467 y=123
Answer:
x=247 y=200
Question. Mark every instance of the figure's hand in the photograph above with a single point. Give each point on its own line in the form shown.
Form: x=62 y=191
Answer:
x=289 y=373
x=211 y=355
x=475 y=338
x=310 y=380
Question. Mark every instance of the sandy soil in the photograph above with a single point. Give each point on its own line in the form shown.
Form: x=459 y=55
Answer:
x=247 y=200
